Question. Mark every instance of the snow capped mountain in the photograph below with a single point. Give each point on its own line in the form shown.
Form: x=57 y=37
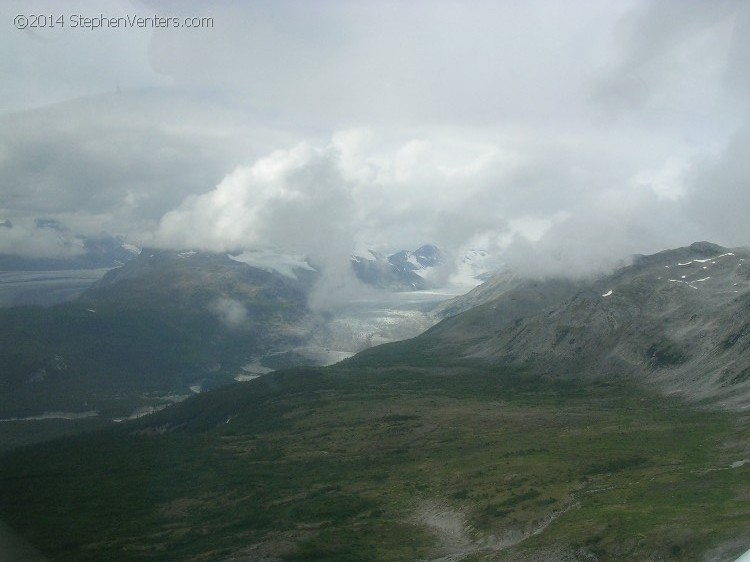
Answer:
x=425 y=268
x=422 y=258
x=402 y=271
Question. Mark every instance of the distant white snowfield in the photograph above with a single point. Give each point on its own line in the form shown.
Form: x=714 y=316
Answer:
x=266 y=259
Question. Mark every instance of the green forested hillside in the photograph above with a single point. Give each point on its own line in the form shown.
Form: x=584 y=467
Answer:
x=400 y=462
x=160 y=324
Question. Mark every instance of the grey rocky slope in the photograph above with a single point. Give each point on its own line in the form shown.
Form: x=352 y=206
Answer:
x=679 y=320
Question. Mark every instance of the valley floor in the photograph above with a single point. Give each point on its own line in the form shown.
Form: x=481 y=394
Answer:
x=376 y=462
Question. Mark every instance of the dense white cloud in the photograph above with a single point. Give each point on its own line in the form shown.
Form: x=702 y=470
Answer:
x=578 y=210
x=326 y=201
x=563 y=136
x=295 y=199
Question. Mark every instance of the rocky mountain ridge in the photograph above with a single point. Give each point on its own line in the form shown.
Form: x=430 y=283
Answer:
x=679 y=319
x=401 y=271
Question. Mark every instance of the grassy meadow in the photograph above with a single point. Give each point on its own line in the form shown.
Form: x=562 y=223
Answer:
x=392 y=462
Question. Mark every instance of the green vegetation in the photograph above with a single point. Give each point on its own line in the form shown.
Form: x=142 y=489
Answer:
x=391 y=460
x=66 y=358
x=159 y=328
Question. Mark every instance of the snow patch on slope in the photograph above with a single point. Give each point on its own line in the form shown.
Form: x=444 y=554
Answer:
x=284 y=264
x=472 y=268
x=135 y=250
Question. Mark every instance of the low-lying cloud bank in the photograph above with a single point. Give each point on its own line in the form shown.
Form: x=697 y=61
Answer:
x=544 y=210
x=320 y=130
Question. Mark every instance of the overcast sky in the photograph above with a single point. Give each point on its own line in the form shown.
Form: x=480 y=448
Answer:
x=562 y=136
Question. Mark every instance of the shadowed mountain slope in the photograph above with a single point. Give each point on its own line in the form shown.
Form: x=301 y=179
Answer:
x=164 y=322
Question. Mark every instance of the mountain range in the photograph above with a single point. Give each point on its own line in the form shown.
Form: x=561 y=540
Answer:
x=540 y=419
x=165 y=324
x=52 y=280
x=401 y=271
